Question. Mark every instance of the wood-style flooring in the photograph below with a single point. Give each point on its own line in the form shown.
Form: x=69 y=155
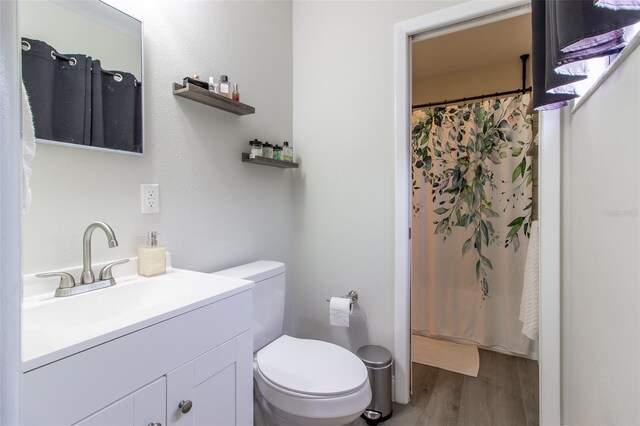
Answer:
x=505 y=393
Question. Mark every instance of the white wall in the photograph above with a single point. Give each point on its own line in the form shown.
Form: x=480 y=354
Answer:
x=344 y=134
x=600 y=253
x=215 y=210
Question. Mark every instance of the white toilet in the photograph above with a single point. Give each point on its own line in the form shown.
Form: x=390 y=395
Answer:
x=297 y=381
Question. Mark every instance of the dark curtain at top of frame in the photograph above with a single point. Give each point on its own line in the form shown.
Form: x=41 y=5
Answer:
x=566 y=33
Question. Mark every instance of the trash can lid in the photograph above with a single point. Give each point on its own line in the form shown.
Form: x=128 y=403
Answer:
x=374 y=356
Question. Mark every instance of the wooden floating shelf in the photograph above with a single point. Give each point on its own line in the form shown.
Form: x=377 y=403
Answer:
x=204 y=96
x=269 y=162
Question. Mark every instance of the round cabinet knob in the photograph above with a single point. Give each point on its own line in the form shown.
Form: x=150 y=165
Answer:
x=185 y=406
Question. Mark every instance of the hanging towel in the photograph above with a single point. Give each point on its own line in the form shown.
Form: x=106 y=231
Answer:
x=28 y=149
x=529 y=303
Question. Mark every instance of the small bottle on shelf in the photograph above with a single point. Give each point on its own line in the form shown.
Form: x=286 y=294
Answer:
x=224 y=86
x=256 y=148
x=235 y=95
x=287 y=152
x=213 y=86
x=277 y=152
x=267 y=150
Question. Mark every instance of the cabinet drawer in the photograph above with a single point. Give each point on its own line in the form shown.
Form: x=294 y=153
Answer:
x=214 y=361
x=143 y=407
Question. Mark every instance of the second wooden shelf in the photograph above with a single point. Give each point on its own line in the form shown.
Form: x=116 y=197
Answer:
x=269 y=162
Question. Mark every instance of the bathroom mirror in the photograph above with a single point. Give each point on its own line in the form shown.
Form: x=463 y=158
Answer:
x=82 y=67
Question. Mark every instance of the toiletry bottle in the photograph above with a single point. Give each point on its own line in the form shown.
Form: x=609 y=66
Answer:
x=287 y=152
x=152 y=257
x=213 y=86
x=235 y=95
x=256 y=148
x=224 y=86
x=277 y=152
x=267 y=150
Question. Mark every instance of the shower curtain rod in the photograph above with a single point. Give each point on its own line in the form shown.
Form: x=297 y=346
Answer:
x=488 y=96
x=522 y=90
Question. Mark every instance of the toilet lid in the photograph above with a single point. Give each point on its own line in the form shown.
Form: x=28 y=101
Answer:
x=311 y=367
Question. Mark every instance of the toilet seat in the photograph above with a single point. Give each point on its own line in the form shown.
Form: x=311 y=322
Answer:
x=311 y=367
x=312 y=379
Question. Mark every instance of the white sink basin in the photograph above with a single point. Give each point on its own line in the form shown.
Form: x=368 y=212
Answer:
x=56 y=327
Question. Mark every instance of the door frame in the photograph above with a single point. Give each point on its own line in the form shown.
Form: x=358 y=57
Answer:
x=10 y=216
x=456 y=18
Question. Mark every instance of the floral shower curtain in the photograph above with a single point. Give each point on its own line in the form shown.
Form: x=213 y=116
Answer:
x=472 y=203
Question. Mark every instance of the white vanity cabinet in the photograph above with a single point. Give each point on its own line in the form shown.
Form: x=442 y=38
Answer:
x=202 y=356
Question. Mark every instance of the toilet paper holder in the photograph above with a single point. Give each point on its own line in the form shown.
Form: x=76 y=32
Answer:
x=353 y=295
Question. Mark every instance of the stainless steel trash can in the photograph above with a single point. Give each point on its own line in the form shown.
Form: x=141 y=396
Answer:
x=378 y=361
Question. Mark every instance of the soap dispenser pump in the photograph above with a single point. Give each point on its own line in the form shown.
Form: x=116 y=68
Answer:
x=152 y=257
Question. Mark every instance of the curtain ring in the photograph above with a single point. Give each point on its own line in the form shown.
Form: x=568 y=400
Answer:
x=26 y=46
x=55 y=55
x=117 y=77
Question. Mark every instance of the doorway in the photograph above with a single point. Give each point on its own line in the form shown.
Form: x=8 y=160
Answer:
x=474 y=225
x=449 y=20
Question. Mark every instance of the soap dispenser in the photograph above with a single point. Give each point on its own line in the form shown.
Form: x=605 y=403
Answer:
x=152 y=257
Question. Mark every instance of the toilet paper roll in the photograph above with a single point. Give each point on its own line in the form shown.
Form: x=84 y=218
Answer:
x=339 y=311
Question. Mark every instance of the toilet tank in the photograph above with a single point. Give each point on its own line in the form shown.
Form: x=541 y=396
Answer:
x=268 y=298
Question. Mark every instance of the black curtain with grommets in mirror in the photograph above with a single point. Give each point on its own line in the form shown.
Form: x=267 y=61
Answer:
x=116 y=110
x=74 y=100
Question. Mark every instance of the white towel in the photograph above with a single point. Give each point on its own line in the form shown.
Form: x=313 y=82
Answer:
x=28 y=149
x=529 y=304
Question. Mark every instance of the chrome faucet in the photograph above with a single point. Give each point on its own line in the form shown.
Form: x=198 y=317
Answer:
x=87 y=276
x=68 y=286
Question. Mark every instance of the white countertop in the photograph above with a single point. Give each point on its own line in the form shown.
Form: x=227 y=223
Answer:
x=57 y=327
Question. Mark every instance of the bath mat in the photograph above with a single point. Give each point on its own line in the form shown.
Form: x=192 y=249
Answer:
x=456 y=357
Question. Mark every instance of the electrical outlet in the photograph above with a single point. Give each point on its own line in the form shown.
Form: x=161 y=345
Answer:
x=150 y=196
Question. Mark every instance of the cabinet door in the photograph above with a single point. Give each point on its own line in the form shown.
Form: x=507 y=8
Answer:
x=119 y=413
x=216 y=399
x=210 y=384
x=180 y=396
x=149 y=404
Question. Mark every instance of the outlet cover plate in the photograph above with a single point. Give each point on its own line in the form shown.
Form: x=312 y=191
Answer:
x=150 y=198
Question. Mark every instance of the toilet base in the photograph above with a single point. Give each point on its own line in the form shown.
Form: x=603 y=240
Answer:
x=265 y=414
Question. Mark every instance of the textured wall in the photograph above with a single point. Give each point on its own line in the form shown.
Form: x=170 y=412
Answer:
x=600 y=252
x=344 y=130
x=215 y=210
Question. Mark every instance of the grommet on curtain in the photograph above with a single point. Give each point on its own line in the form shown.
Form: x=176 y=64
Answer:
x=55 y=55
x=26 y=46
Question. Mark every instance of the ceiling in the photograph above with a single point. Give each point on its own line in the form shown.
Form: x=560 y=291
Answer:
x=497 y=42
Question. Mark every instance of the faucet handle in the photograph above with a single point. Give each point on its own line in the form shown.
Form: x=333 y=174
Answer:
x=105 y=272
x=66 y=279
